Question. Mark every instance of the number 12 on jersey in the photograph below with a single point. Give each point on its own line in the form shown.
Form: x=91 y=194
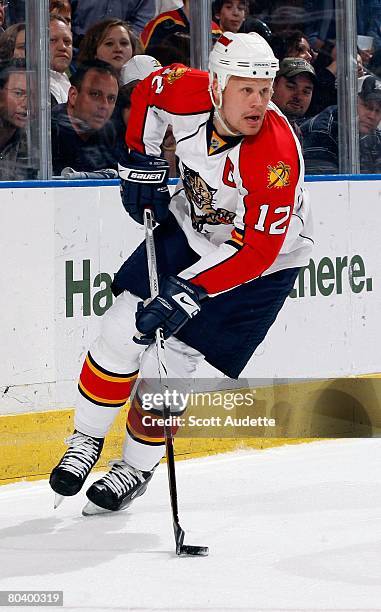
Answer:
x=275 y=226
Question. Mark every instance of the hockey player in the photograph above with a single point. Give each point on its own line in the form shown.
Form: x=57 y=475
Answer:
x=229 y=246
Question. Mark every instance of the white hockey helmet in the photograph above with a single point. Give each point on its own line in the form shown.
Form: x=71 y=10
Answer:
x=243 y=55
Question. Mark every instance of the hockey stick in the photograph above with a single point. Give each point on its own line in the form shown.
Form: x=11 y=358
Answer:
x=181 y=548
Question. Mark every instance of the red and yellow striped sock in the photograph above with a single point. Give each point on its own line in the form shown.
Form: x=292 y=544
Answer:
x=147 y=432
x=102 y=387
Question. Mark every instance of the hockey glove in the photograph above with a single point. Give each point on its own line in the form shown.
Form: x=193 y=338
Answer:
x=177 y=302
x=144 y=185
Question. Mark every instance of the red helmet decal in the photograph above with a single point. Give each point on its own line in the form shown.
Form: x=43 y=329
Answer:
x=224 y=40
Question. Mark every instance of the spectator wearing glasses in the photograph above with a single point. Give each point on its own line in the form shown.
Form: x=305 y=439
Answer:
x=82 y=136
x=13 y=121
x=61 y=53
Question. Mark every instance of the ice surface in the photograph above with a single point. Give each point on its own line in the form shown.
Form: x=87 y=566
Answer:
x=289 y=528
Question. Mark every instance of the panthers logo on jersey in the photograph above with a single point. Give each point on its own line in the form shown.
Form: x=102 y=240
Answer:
x=278 y=176
x=175 y=74
x=200 y=195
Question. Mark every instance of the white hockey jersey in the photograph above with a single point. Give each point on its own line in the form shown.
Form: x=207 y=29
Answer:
x=241 y=200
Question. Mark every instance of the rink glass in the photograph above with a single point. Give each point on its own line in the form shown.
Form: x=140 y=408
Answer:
x=351 y=17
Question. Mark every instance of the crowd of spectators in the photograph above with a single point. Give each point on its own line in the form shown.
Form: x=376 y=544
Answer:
x=100 y=49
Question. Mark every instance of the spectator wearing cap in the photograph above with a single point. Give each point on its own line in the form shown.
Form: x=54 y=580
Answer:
x=229 y=14
x=293 y=88
x=320 y=134
x=135 y=70
x=82 y=136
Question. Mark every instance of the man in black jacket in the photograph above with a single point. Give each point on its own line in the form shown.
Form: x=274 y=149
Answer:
x=82 y=136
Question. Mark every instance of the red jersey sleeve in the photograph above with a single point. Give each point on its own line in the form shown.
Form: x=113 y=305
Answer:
x=173 y=90
x=269 y=173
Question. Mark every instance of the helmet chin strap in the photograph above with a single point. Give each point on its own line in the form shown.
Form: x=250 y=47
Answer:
x=218 y=114
x=219 y=118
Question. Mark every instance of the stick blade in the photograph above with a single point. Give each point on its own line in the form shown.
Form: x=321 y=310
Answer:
x=192 y=551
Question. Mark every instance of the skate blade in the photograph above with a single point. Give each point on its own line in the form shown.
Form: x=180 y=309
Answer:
x=92 y=509
x=58 y=499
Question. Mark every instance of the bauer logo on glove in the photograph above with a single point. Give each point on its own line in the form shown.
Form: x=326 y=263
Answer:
x=143 y=184
x=137 y=177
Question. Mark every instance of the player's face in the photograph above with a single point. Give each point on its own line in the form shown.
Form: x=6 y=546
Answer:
x=244 y=103
x=115 y=48
x=94 y=102
x=61 y=46
x=293 y=96
x=232 y=15
x=13 y=101
x=369 y=114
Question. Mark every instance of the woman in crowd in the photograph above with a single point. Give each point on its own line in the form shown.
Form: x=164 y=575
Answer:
x=12 y=42
x=111 y=41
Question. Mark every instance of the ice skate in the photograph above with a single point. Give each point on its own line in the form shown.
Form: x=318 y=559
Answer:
x=117 y=489
x=68 y=476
